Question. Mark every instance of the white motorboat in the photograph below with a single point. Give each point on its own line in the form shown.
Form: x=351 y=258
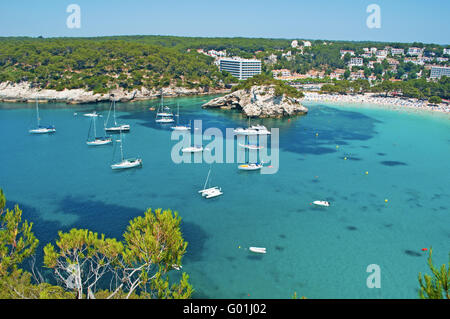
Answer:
x=245 y=131
x=93 y=114
x=251 y=146
x=258 y=250
x=41 y=129
x=250 y=166
x=260 y=129
x=115 y=128
x=192 y=149
x=321 y=203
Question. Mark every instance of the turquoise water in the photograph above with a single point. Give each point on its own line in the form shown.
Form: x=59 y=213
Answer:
x=62 y=183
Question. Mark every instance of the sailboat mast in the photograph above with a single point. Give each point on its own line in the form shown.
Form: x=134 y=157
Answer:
x=37 y=113
x=206 y=182
x=121 y=148
x=114 y=114
x=95 y=129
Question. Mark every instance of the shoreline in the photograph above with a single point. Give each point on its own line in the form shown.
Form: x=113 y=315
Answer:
x=24 y=93
x=376 y=99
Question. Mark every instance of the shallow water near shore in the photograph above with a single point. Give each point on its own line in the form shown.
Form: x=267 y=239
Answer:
x=317 y=252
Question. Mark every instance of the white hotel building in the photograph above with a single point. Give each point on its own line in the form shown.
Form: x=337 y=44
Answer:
x=438 y=71
x=240 y=68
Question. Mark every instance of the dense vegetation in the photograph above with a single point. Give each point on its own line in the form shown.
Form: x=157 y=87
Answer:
x=82 y=261
x=267 y=80
x=101 y=64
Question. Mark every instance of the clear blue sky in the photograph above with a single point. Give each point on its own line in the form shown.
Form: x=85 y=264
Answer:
x=401 y=20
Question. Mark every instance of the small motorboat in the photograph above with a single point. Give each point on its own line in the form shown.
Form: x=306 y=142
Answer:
x=93 y=114
x=245 y=131
x=181 y=128
x=251 y=146
x=321 y=203
x=192 y=149
x=250 y=166
x=258 y=250
x=260 y=129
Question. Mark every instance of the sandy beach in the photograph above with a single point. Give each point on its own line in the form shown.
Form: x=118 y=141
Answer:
x=376 y=99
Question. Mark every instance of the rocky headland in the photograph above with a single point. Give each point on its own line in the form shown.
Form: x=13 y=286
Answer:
x=259 y=101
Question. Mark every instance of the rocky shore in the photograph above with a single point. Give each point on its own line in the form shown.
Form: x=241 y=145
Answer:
x=23 y=92
x=259 y=101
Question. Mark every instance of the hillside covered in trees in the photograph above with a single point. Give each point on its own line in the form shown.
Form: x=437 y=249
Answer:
x=102 y=64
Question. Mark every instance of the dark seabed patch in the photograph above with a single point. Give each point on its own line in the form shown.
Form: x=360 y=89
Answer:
x=412 y=253
x=254 y=257
x=353 y=158
x=381 y=154
x=388 y=225
x=279 y=248
x=352 y=228
x=393 y=163
x=282 y=236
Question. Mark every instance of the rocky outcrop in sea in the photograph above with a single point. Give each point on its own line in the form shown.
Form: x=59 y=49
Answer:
x=259 y=101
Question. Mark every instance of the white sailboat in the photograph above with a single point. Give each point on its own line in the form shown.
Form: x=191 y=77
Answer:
x=128 y=162
x=116 y=128
x=162 y=114
x=210 y=192
x=97 y=141
x=41 y=129
x=252 y=130
x=179 y=127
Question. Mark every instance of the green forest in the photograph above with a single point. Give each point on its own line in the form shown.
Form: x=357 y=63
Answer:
x=102 y=64
x=136 y=266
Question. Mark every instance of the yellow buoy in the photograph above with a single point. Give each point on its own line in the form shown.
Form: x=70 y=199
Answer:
x=337 y=146
x=386 y=200
x=317 y=134
x=367 y=173
x=345 y=158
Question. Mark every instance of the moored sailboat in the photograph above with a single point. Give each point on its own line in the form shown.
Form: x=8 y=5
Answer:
x=126 y=162
x=97 y=141
x=40 y=129
x=116 y=128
